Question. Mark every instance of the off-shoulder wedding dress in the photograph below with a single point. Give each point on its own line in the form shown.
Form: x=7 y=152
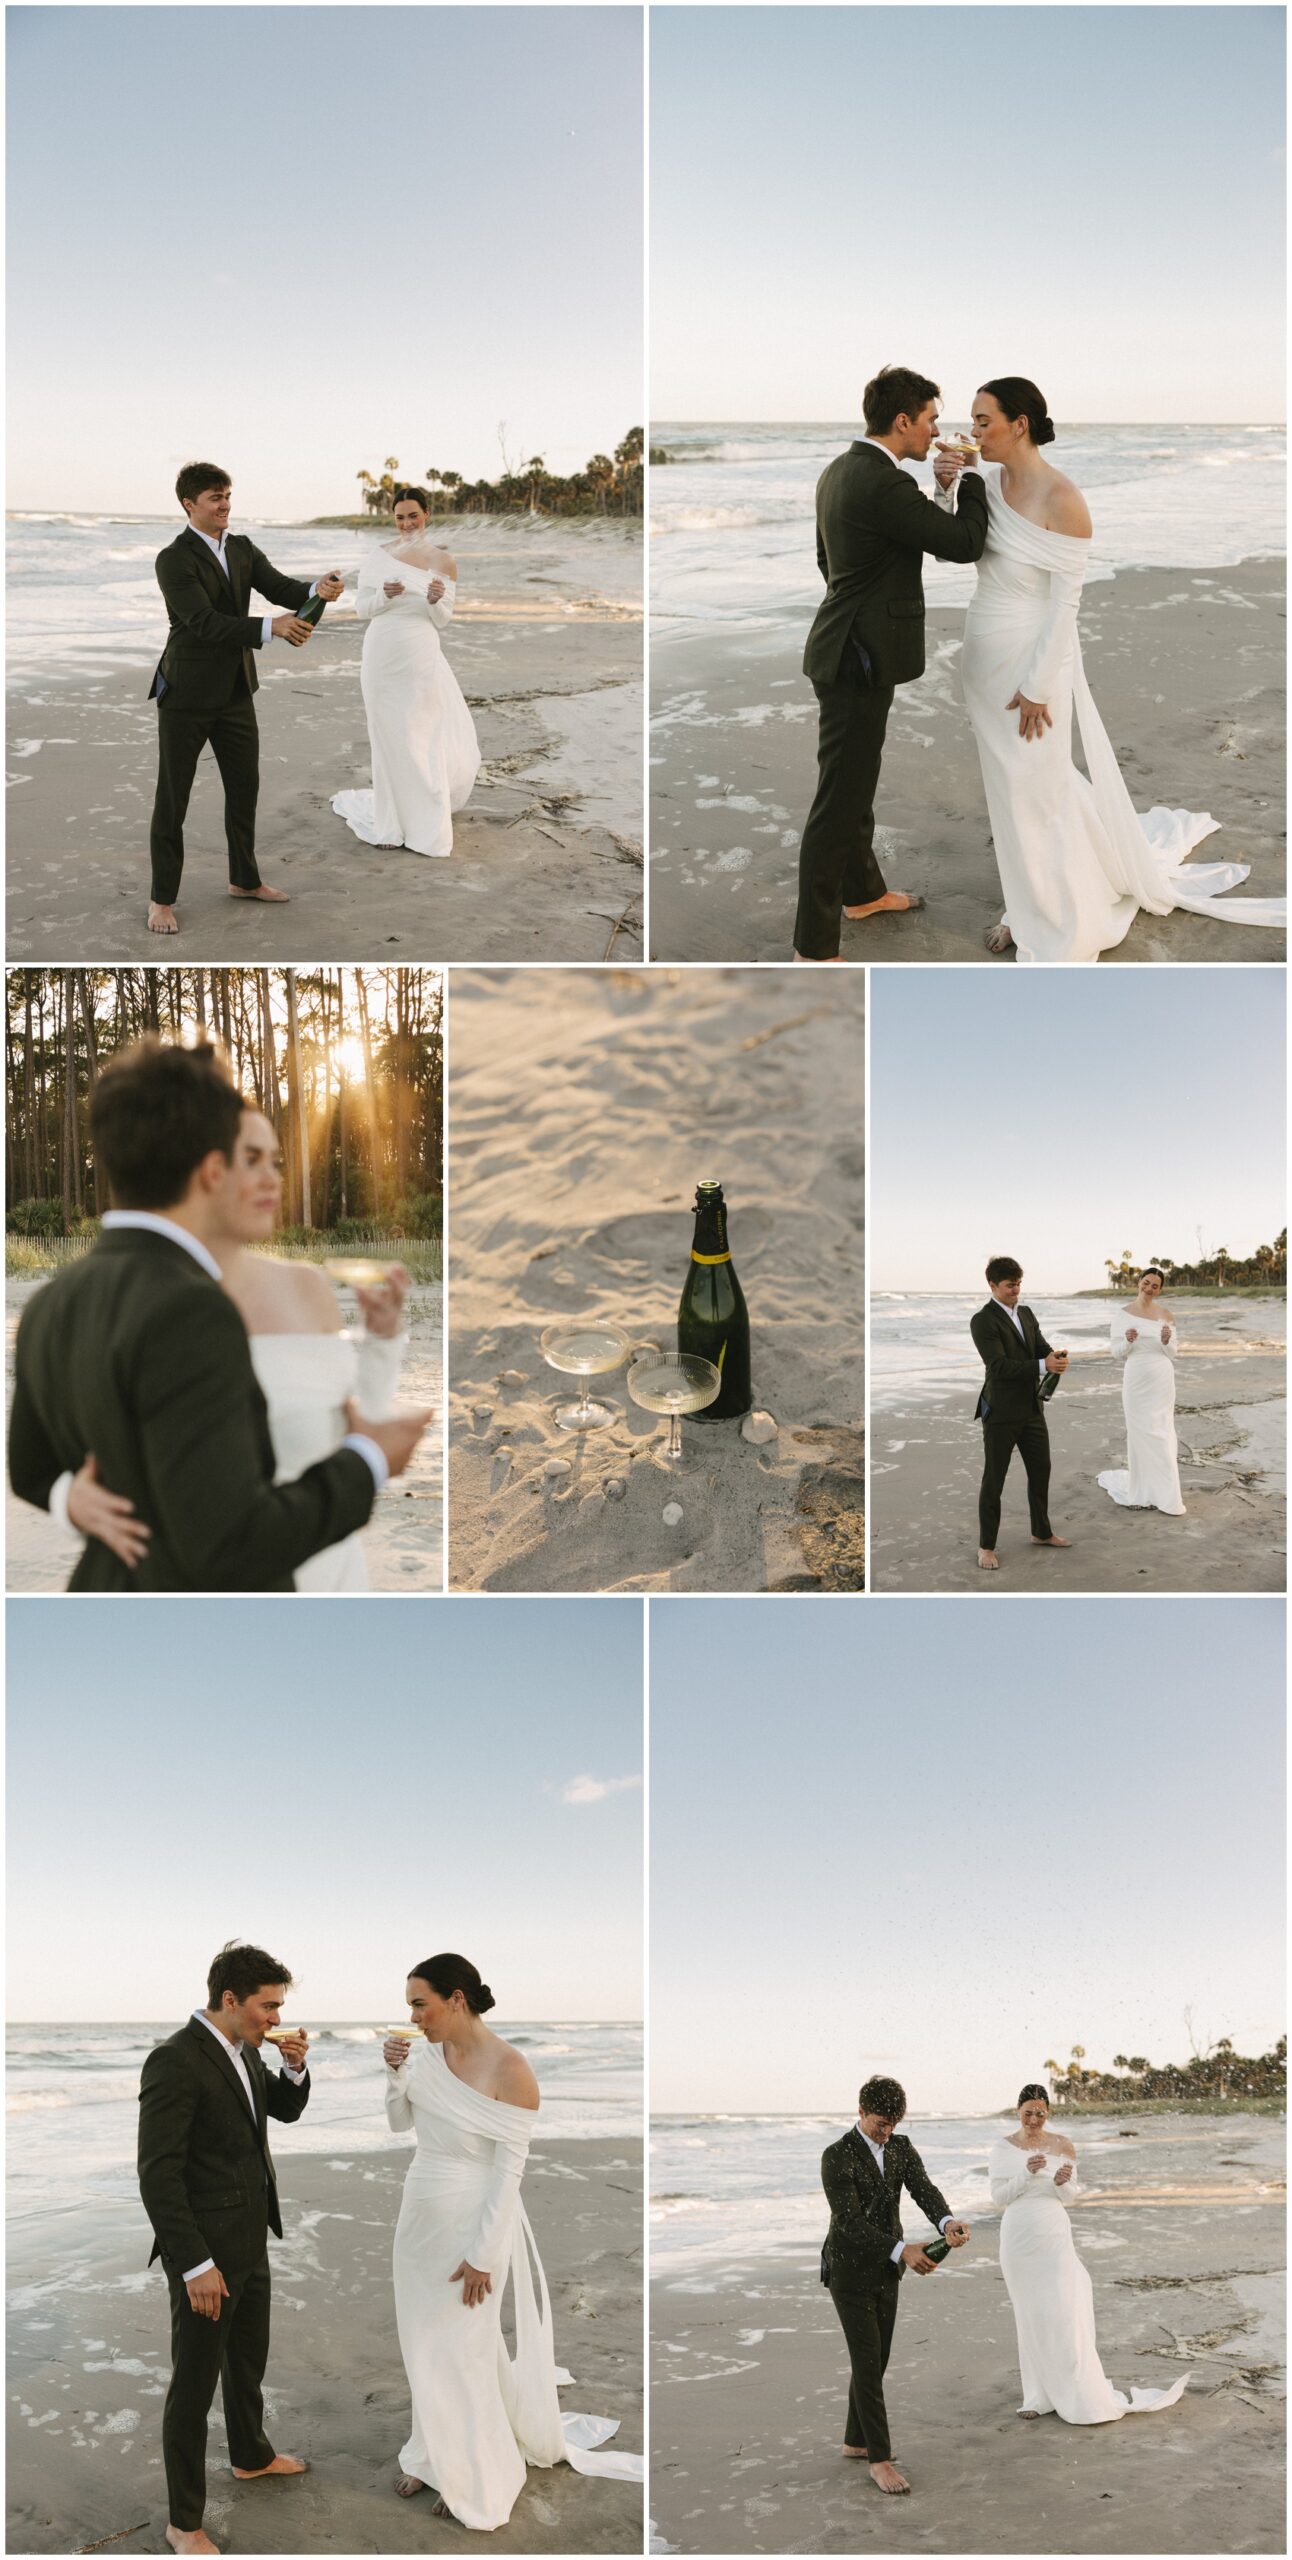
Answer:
x=307 y=1379
x=425 y=754
x=479 y=2414
x=1150 y=1480
x=1053 y=2299
x=1077 y=861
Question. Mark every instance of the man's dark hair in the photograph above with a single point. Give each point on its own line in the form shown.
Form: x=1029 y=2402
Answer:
x=1003 y=1267
x=197 y=476
x=895 y=393
x=155 y=1112
x=242 y=1969
x=882 y=2097
x=418 y=496
x=1032 y=2090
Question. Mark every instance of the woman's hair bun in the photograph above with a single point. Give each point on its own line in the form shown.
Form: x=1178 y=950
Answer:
x=1044 y=433
x=1019 y=398
x=483 y=2000
x=447 y=1974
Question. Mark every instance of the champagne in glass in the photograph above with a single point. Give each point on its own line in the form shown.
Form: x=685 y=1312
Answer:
x=673 y=1382
x=713 y=1320
x=354 y=1270
x=584 y=1348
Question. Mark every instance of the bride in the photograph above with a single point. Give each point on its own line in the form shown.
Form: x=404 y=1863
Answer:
x=1077 y=862
x=309 y=1371
x=425 y=756
x=1033 y=2177
x=1145 y=1339
x=479 y=2413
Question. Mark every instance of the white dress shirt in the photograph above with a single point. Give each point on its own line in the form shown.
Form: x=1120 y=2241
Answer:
x=1017 y=1322
x=876 y=2150
x=267 y=621
x=234 y=2052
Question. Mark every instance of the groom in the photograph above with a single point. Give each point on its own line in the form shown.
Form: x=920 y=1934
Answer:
x=206 y=679
x=208 y=2187
x=873 y=526
x=1022 y=1372
x=865 y=2258
x=136 y=1356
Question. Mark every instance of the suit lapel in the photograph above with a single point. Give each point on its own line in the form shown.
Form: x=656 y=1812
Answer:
x=218 y=2054
x=220 y=589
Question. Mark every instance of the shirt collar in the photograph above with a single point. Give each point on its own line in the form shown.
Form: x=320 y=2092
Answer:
x=217 y=546
x=234 y=2048
x=874 y=442
x=154 y=1225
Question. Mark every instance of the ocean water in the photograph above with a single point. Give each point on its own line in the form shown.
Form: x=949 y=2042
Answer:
x=731 y=516
x=921 y=1351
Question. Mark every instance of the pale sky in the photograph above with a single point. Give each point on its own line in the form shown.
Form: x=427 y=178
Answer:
x=297 y=240
x=353 y=1785
x=949 y=1843
x=1091 y=196
x=1061 y=1115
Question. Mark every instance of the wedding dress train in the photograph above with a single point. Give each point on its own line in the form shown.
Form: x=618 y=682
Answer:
x=1053 y=2299
x=1150 y=1480
x=307 y=1379
x=479 y=2414
x=1077 y=862
x=425 y=754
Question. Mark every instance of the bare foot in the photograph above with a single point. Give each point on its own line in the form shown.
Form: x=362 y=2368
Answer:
x=267 y=897
x=896 y=902
x=887 y=2477
x=406 y=2486
x=856 y=2452
x=1029 y=2413
x=162 y=920
x=1051 y=1542
x=283 y=2467
x=809 y=963
x=998 y=938
x=988 y=1560
x=198 y=2541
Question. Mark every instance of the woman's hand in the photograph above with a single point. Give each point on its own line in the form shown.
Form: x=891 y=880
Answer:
x=1131 y=1333
x=393 y=587
x=1037 y=2160
x=1061 y=2176
x=1033 y=718
x=1166 y=1333
x=382 y=1306
x=435 y=591
x=396 y=2052
x=475 y=2283
x=109 y=1517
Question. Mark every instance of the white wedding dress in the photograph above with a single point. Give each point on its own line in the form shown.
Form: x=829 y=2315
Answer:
x=425 y=754
x=1053 y=2299
x=307 y=1379
x=1076 y=861
x=1150 y=1480
x=479 y=2414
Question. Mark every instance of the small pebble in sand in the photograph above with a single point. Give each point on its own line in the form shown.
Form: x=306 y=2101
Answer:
x=758 y=1427
x=511 y=1378
x=482 y=1413
x=615 y=1488
x=672 y=1514
x=557 y=1467
x=502 y=1466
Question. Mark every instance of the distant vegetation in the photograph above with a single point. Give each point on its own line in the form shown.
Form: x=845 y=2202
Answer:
x=1217 y=2078
x=1266 y=1268
x=608 y=485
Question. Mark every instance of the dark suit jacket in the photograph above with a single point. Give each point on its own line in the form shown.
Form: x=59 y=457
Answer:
x=1012 y=1386
x=213 y=632
x=873 y=526
x=866 y=2209
x=136 y=1354
x=205 y=2171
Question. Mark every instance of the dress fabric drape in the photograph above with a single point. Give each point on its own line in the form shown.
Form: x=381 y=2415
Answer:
x=480 y=2414
x=1053 y=2299
x=1150 y=1480
x=425 y=754
x=307 y=1379
x=1077 y=861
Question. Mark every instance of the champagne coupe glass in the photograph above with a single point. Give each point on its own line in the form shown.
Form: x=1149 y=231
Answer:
x=585 y=1347
x=354 y=1270
x=673 y=1382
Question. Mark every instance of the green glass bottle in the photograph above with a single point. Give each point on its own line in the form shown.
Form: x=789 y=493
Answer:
x=713 y=1319
x=313 y=609
x=937 y=2250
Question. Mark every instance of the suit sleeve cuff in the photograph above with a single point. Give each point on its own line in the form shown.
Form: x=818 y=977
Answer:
x=266 y=630
x=286 y=2072
x=203 y=2270
x=372 y=1456
x=896 y=2254
x=58 y=1494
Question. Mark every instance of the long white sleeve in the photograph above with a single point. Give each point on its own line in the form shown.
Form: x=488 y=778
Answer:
x=1171 y=1345
x=380 y=1357
x=1056 y=636
x=370 y=594
x=399 y=2113
x=1117 y=1337
x=488 y=2246
x=441 y=613
x=1007 y=2183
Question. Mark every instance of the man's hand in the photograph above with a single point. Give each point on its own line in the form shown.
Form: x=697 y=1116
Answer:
x=475 y=2283
x=206 y=2293
x=1056 y=1362
x=1061 y=2176
x=294 y=2049
x=956 y=2232
x=917 y=2260
x=393 y=587
x=396 y=1439
x=1036 y=2161
x=289 y=626
x=1033 y=718
x=330 y=587
x=382 y=1306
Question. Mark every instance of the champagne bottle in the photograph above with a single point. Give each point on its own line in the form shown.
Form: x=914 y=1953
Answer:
x=313 y=609
x=712 y=1319
x=937 y=2250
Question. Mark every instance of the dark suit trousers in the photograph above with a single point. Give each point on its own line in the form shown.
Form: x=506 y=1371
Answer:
x=999 y=1441
x=233 y=2351
x=867 y=2312
x=234 y=741
x=837 y=866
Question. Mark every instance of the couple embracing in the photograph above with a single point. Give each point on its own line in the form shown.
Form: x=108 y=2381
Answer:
x=1032 y=2178
x=1076 y=861
x=480 y=2412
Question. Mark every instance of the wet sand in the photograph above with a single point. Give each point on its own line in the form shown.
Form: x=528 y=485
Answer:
x=546 y=864
x=1185 y=2246
x=1231 y=1424
x=1187 y=670
x=583 y=1110
x=90 y=2359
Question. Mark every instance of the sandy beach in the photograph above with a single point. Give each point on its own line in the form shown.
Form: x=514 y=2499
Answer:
x=403 y=1541
x=583 y=1111
x=90 y=2358
x=1182 y=2230
x=546 y=865
x=1231 y=1407
x=1187 y=671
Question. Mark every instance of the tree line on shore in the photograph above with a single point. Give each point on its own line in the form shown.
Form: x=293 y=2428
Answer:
x=1218 y=2074
x=608 y=485
x=348 y=1064
x=1266 y=1267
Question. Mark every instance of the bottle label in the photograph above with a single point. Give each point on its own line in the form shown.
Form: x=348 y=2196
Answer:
x=709 y=1258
